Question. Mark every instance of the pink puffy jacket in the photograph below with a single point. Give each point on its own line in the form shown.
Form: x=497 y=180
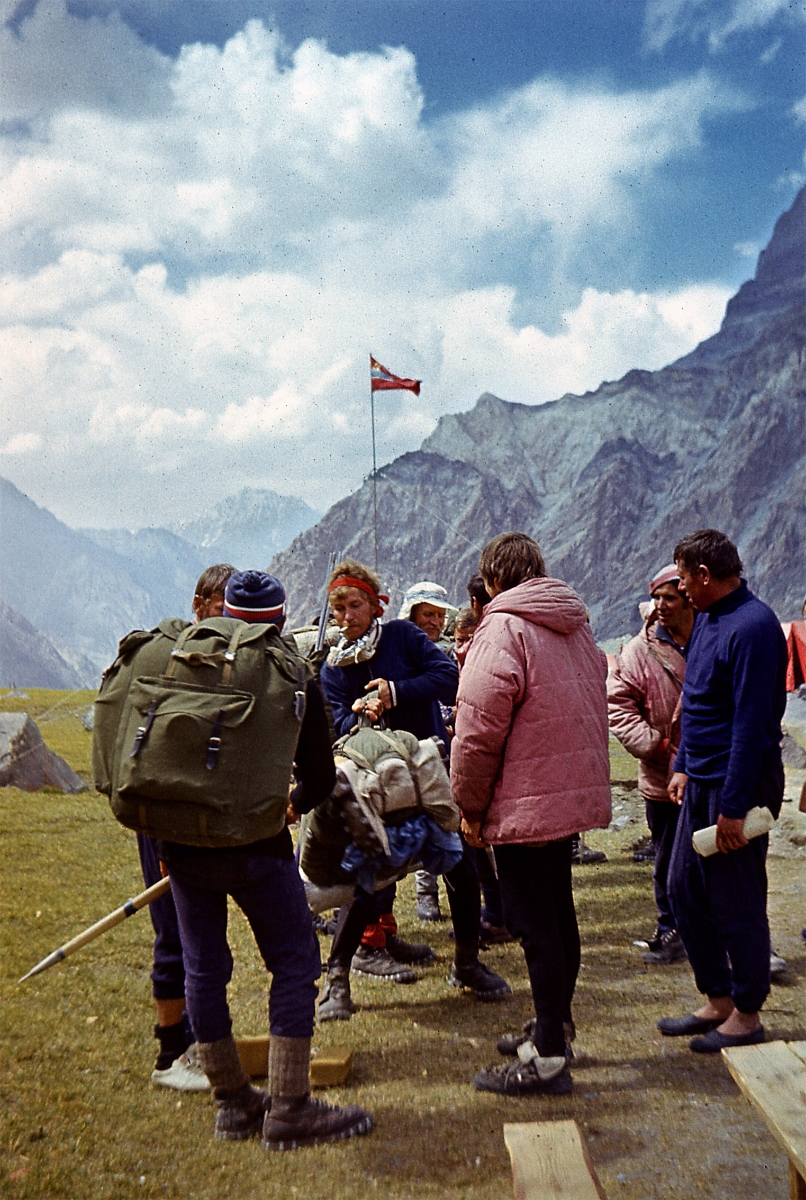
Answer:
x=643 y=700
x=530 y=756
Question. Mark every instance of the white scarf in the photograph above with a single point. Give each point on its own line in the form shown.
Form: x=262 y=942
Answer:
x=347 y=654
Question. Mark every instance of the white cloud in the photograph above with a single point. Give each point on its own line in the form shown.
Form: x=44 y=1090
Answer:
x=715 y=20
x=193 y=274
x=21 y=443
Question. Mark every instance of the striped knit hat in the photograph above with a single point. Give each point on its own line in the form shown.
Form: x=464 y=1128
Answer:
x=255 y=596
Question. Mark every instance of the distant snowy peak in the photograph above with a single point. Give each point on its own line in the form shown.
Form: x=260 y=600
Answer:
x=249 y=528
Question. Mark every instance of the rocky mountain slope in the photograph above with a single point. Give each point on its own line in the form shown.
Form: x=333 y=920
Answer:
x=71 y=594
x=607 y=482
x=247 y=529
x=28 y=657
x=83 y=596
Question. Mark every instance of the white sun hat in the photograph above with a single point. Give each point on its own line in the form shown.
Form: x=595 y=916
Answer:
x=425 y=592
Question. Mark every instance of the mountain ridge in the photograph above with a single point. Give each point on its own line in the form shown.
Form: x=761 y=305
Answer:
x=608 y=481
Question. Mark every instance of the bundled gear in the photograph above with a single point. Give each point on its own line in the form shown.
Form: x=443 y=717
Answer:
x=384 y=779
x=179 y=741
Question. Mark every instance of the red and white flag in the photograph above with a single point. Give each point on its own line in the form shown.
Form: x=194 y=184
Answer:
x=382 y=380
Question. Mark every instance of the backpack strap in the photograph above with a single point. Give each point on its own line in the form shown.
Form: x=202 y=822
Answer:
x=176 y=653
x=300 y=695
x=229 y=654
x=396 y=745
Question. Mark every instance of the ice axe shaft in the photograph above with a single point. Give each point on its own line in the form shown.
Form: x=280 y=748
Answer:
x=108 y=922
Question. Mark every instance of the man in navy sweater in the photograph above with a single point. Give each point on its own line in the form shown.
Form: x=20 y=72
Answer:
x=729 y=762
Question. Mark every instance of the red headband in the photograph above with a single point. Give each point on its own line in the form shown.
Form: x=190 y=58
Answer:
x=362 y=585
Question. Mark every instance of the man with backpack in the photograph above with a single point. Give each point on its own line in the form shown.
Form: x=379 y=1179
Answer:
x=196 y=731
x=177 y=1064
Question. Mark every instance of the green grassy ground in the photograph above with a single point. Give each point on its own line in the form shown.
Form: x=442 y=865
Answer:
x=78 y=1117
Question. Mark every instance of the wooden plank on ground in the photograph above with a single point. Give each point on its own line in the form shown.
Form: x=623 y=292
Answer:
x=329 y=1068
x=550 y=1162
x=798 y=1048
x=773 y=1078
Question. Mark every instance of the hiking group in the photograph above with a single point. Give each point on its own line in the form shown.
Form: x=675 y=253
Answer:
x=473 y=748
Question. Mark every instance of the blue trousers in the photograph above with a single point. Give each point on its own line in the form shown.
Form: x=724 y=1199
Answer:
x=270 y=894
x=168 y=972
x=720 y=904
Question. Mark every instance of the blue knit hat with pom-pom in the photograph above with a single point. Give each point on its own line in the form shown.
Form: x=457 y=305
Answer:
x=255 y=596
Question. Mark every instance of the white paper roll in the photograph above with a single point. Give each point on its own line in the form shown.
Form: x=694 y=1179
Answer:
x=757 y=822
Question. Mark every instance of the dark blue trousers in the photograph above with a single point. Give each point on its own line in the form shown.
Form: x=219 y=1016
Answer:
x=270 y=894
x=720 y=905
x=168 y=972
x=662 y=818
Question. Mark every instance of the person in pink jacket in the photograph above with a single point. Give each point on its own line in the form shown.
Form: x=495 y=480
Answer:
x=643 y=699
x=530 y=768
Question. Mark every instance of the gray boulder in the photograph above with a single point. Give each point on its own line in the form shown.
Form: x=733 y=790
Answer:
x=26 y=762
x=792 y=752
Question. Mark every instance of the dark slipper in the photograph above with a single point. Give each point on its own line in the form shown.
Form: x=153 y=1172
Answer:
x=685 y=1026
x=713 y=1042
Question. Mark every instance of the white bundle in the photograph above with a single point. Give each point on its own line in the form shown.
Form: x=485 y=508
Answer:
x=757 y=822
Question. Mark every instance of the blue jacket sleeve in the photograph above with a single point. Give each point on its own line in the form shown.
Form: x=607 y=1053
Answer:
x=755 y=658
x=335 y=683
x=437 y=677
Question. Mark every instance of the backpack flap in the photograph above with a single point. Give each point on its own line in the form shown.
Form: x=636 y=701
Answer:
x=175 y=749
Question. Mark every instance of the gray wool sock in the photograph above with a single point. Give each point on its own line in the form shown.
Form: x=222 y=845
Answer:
x=289 y=1066
x=222 y=1066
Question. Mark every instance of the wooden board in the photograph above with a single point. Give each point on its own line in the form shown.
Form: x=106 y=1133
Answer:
x=330 y=1068
x=773 y=1078
x=798 y=1048
x=550 y=1162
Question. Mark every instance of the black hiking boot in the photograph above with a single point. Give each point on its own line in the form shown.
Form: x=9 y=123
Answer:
x=480 y=980
x=308 y=1122
x=240 y=1115
x=510 y=1043
x=582 y=855
x=408 y=952
x=335 y=1003
x=650 y=943
x=529 y=1075
x=428 y=908
x=320 y=925
x=493 y=935
x=379 y=964
x=643 y=850
x=670 y=949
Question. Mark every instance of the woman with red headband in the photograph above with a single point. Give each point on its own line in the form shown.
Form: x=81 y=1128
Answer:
x=376 y=669
x=392 y=671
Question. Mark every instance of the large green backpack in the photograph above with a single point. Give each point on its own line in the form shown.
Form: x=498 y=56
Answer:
x=196 y=728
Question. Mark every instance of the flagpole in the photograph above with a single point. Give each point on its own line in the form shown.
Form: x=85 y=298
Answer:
x=374 y=475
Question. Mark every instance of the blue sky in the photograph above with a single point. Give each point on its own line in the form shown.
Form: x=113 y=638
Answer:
x=214 y=211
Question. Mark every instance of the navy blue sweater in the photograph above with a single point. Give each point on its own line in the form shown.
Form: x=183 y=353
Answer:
x=734 y=697
x=422 y=674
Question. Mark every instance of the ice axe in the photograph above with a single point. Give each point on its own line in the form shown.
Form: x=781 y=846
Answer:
x=89 y=935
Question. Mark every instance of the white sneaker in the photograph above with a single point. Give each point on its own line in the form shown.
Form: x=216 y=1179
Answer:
x=185 y=1073
x=777 y=966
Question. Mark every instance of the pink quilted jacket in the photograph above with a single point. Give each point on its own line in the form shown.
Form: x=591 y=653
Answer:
x=643 y=699
x=530 y=756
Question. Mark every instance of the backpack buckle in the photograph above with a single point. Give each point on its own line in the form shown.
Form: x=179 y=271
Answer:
x=143 y=729
x=214 y=744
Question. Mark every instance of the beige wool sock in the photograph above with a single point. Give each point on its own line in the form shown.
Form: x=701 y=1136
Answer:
x=289 y=1066
x=222 y=1066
